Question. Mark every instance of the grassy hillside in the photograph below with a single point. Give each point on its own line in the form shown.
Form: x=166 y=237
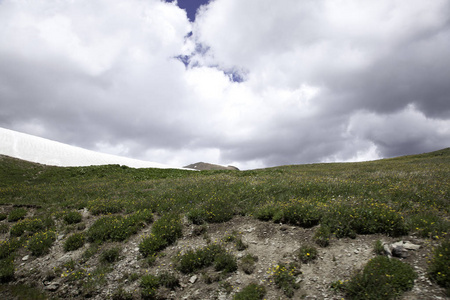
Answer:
x=394 y=197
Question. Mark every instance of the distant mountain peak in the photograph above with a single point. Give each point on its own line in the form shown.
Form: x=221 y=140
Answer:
x=202 y=166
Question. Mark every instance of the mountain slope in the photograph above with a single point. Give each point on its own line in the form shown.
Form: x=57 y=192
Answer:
x=44 y=151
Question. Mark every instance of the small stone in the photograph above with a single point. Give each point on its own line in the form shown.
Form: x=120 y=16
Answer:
x=26 y=257
x=136 y=249
x=52 y=287
x=400 y=251
x=193 y=279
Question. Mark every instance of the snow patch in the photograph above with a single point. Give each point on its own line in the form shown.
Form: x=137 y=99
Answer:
x=48 y=152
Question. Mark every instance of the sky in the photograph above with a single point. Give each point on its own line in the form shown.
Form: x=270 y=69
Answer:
x=250 y=83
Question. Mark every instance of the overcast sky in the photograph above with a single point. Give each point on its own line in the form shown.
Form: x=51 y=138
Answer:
x=252 y=83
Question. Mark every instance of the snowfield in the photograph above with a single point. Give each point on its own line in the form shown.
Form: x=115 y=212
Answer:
x=48 y=152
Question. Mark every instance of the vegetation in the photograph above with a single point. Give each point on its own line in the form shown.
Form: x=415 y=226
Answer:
x=378 y=248
x=17 y=214
x=248 y=262
x=284 y=277
x=74 y=242
x=252 y=291
x=307 y=253
x=165 y=232
x=41 y=242
x=72 y=217
x=110 y=255
x=194 y=260
x=439 y=266
x=395 y=197
x=150 y=284
x=381 y=278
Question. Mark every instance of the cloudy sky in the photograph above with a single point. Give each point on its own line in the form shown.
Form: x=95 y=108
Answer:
x=253 y=83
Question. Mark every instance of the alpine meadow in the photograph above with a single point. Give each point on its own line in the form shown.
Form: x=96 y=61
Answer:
x=366 y=230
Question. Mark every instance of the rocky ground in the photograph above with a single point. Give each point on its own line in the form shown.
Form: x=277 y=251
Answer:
x=271 y=243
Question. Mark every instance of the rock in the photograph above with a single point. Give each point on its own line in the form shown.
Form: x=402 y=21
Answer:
x=387 y=250
x=53 y=286
x=411 y=246
x=400 y=251
x=283 y=228
x=193 y=279
x=26 y=257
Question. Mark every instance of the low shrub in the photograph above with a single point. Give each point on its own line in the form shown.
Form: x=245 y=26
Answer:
x=117 y=228
x=429 y=225
x=348 y=218
x=9 y=247
x=307 y=253
x=165 y=232
x=169 y=228
x=378 y=248
x=213 y=210
x=381 y=278
x=225 y=262
x=149 y=285
x=322 y=236
x=216 y=255
x=439 y=265
x=41 y=242
x=110 y=255
x=121 y=294
x=252 y=291
x=28 y=225
x=266 y=212
x=168 y=280
x=72 y=217
x=105 y=206
x=248 y=262
x=89 y=252
x=300 y=212
x=17 y=214
x=284 y=278
x=151 y=245
x=4 y=228
x=235 y=237
x=3 y=216
x=6 y=269
x=74 y=242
